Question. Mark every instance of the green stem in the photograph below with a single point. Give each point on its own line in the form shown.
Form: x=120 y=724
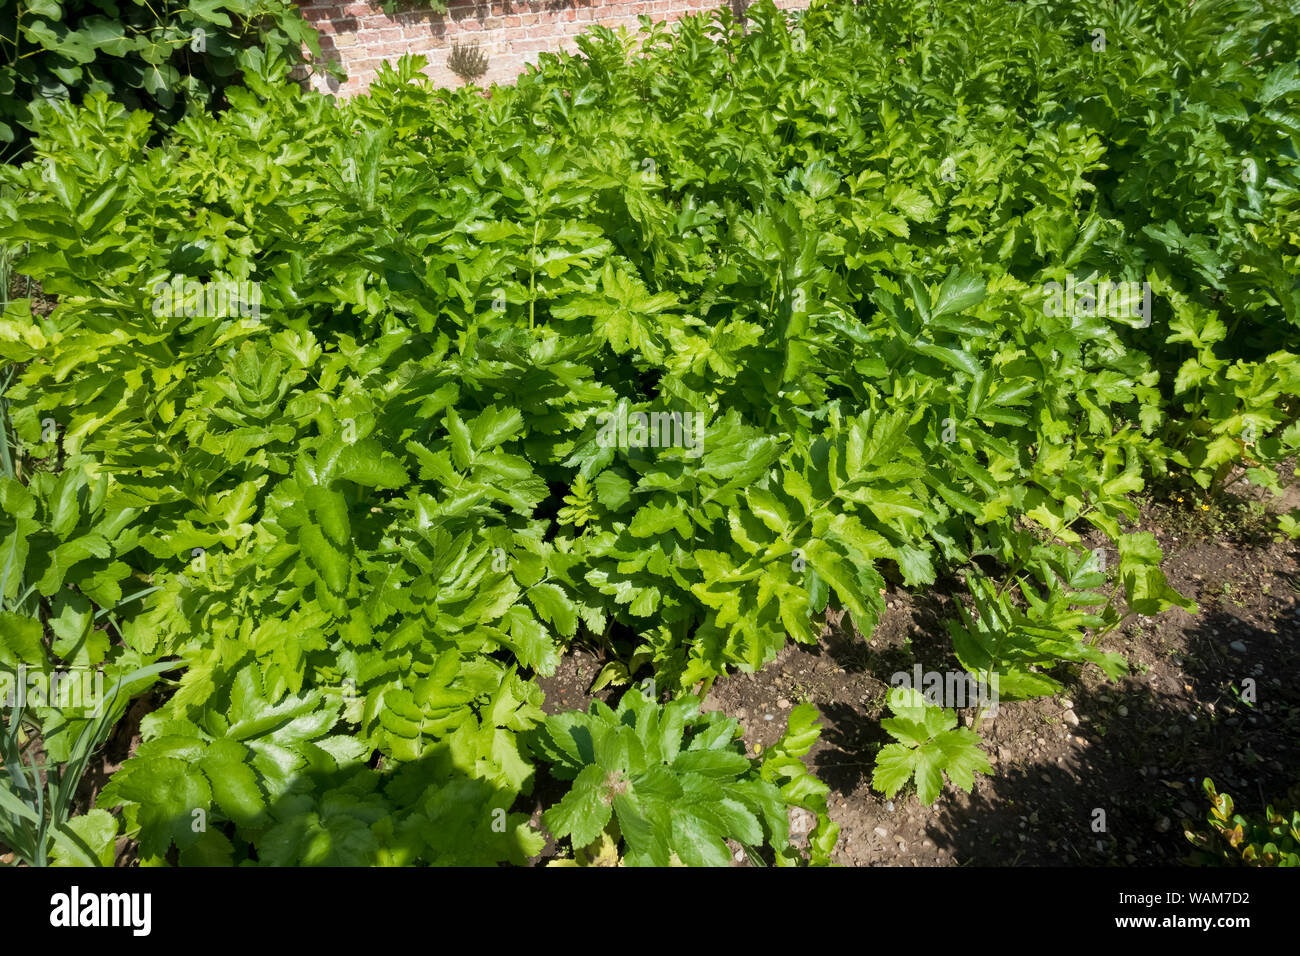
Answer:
x=532 y=273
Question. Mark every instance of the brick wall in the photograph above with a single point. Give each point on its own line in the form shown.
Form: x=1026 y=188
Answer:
x=360 y=36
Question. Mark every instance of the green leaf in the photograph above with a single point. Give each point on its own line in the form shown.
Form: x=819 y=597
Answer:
x=167 y=793
x=554 y=606
x=959 y=292
x=234 y=783
x=584 y=811
x=86 y=840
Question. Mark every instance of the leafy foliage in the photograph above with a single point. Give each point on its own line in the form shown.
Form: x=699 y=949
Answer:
x=802 y=270
x=1236 y=839
x=929 y=745
x=160 y=57
x=674 y=783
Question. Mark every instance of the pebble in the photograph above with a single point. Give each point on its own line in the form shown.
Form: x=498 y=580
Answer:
x=783 y=703
x=1163 y=825
x=1067 y=703
x=881 y=832
x=1122 y=710
x=1071 y=718
x=889 y=805
x=1237 y=646
x=801 y=821
x=767 y=716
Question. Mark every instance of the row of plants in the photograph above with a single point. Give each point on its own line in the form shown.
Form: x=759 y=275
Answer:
x=353 y=416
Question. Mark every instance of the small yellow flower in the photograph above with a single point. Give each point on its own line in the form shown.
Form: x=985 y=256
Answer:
x=1180 y=501
x=1205 y=507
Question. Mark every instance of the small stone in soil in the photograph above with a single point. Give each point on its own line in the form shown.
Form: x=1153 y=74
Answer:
x=1238 y=646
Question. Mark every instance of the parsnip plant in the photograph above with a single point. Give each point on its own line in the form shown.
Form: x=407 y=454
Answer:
x=668 y=348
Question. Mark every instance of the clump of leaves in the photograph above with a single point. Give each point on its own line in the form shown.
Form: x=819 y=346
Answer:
x=161 y=57
x=929 y=745
x=1234 y=839
x=672 y=785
